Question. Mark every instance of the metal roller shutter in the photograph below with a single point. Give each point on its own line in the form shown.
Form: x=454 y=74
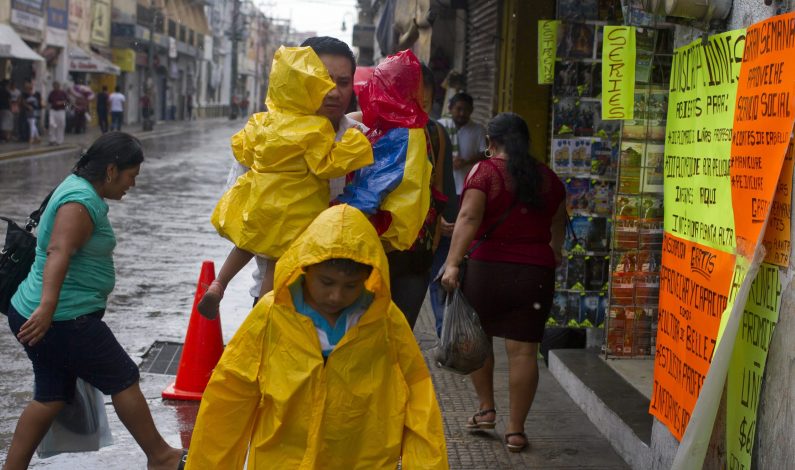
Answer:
x=482 y=58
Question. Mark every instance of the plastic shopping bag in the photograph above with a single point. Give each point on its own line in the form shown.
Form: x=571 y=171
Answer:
x=81 y=426
x=464 y=345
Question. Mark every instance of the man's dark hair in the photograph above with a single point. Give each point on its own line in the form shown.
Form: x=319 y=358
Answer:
x=118 y=89
x=347 y=266
x=465 y=97
x=104 y=88
x=331 y=46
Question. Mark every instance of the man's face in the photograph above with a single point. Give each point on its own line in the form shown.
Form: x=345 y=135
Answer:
x=460 y=112
x=337 y=100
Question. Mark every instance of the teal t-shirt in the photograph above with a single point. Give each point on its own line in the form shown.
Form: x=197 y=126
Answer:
x=329 y=335
x=91 y=276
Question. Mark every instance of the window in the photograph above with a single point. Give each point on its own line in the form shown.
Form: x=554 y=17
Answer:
x=182 y=32
x=191 y=38
x=172 y=29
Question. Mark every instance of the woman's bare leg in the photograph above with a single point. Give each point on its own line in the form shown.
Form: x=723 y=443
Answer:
x=33 y=424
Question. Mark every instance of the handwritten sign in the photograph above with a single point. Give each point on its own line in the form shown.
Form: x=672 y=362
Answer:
x=763 y=121
x=778 y=234
x=694 y=292
x=618 y=72
x=547 y=45
x=698 y=140
x=748 y=364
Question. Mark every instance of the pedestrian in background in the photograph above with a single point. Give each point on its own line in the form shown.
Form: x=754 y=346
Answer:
x=116 y=101
x=102 y=109
x=189 y=106
x=324 y=372
x=32 y=113
x=16 y=109
x=468 y=138
x=6 y=116
x=57 y=311
x=510 y=277
x=57 y=100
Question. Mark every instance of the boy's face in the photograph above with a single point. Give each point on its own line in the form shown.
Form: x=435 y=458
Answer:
x=337 y=100
x=329 y=290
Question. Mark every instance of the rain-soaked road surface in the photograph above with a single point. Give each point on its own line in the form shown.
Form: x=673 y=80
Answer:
x=163 y=233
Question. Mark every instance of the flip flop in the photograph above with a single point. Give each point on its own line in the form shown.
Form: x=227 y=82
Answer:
x=474 y=423
x=183 y=460
x=514 y=447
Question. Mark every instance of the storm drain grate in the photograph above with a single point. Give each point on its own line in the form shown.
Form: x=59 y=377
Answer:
x=162 y=358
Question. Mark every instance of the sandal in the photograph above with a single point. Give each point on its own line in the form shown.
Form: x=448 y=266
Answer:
x=474 y=423
x=515 y=447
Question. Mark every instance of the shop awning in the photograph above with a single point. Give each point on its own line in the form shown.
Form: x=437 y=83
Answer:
x=86 y=61
x=11 y=45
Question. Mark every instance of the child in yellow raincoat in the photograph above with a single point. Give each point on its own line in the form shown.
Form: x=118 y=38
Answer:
x=291 y=153
x=325 y=372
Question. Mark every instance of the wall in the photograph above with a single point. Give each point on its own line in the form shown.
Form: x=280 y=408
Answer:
x=529 y=99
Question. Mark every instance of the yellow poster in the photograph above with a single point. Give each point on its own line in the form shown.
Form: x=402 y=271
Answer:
x=618 y=72
x=547 y=44
x=125 y=59
x=698 y=190
x=100 y=25
x=748 y=364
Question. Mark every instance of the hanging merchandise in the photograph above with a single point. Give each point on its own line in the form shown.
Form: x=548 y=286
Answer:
x=613 y=173
x=638 y=216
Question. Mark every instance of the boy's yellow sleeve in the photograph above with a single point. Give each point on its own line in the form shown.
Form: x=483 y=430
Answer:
x=424 y=445
x=352 y=152
x=228 y=408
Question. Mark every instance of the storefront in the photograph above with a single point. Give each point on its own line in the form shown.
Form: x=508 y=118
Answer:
x=15 y=54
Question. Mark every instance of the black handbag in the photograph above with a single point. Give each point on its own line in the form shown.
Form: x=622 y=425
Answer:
x=18 y=254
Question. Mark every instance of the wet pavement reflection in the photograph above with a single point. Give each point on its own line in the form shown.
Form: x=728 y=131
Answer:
x=164 y=232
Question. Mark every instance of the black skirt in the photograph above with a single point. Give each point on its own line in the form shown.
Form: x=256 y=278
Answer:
x=513 y=300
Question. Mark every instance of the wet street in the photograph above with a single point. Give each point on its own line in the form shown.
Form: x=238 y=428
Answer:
x=163 y=231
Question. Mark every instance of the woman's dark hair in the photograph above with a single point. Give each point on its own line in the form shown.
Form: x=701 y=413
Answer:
x=331 y=46
x=117 y=148
x=347 y=266
x=510 y=131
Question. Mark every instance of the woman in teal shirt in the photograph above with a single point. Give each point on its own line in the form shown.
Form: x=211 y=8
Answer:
x=57 y=311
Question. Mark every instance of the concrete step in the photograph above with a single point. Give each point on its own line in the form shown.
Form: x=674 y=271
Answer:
x=614 y=406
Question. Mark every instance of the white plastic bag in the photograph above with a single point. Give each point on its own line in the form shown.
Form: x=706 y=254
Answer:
x=464 y=345
x=81 y=426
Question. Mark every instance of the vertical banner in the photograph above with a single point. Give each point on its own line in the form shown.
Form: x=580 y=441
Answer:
x=698 y=257
x=618 y=72
x=547 y=45
x=100 y=25
x=748 y=365
x=762 y=124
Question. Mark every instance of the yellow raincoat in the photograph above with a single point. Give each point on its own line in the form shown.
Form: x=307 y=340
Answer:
x=370 y=404
x=292 y=155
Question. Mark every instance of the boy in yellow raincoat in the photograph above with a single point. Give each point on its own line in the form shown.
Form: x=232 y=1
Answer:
x=325 y=372
x=292 y=154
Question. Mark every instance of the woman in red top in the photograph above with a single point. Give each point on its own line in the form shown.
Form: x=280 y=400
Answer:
x=510 y=277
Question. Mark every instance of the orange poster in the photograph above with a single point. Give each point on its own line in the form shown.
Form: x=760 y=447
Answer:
x=778 y=236
x=763 y=118
x=695 y=281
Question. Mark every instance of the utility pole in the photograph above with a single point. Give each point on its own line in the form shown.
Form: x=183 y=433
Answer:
x=235 y=36
x=148 y=123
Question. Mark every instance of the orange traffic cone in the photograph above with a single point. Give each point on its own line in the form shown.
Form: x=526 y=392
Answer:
x=203 y=347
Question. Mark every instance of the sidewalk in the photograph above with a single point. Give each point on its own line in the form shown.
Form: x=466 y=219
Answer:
x=78 y=142
x=560 y=434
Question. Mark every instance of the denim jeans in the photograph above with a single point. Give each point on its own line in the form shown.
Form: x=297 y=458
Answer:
x=115 y=120
x=436 y=291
